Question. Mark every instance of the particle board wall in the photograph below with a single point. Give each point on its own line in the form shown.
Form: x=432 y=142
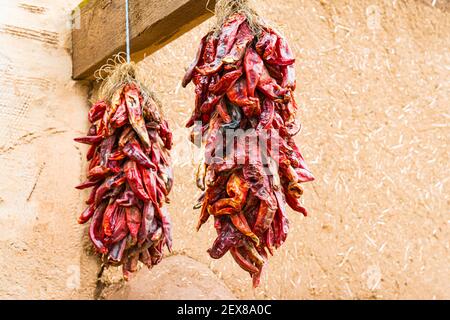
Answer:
x=373 y=86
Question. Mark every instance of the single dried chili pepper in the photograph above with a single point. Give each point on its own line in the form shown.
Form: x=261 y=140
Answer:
x=226 y=82
x=110 y=211
x=91 y=198
x=127 y=199
x=166 y=225
x=133 y=215
x=237 y=189
x=87 y=184
x=120 y=118
x=89 y=139
x=284 y=56
x=149 y=181
x=120 y=227
x=243 y=38
x=166 y=174
x=135 y=114
x=150 y=109
x=228 y=238
x=94 y=228
x=134 y=180
x=242 y=261
x=240 y=222
x=267 y=115
x=204 y=214
x=270 y=87
x=134 y=152
x=238 y=95
x=98 y=172
x=264 y=218
x=105 y=127
x=117 y=251
x=253 y=254
x=126 y=135
x=117 y=155
x=166 y=134
x=91 y=152
x=110 y=183
x=254 y=66
x=266 y=45
x=210 y=103
x=105 y=150
x=225 y=42
x=190 y=71
x=276 y=72
x=148 y=217
x=222 y=110
x=295 y=204
x=87 y=214
x=97 y=111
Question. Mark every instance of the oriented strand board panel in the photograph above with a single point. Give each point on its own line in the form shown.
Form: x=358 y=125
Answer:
x=99 y=29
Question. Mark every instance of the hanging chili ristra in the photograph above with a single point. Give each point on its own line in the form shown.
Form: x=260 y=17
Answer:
x=130 y=176
x=244 y=79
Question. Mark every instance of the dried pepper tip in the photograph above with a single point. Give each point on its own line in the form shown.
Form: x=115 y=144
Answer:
x=89 y=139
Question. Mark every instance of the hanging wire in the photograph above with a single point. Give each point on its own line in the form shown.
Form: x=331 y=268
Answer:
x=127 y=24
x=207 y=7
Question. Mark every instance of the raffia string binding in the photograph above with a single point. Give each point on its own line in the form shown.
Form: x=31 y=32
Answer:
x=116 y=73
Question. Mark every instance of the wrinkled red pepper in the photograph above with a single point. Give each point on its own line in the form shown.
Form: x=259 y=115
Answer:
x=225 y=42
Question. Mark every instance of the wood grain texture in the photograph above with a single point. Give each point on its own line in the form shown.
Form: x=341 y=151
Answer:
x=154 y=23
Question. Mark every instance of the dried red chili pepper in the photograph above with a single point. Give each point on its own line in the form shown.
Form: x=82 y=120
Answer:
x=190 y=71
x=238 y=95
x=225 y=42
x=243 y=38
x=134 y=152
x=120 y=118
x=253 y=65
x=87 y=214
x=98 y=172
x=97 y=111
x=131 y=178
x=108 y=222
x=87 y=184
x=225 y=83
x=228 y=237
x=89 y=139
x=134 y=179
x=135 y=114
x=96 y=227
x=244 y=81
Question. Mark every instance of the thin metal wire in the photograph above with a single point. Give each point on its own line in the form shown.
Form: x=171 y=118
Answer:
x=207 y=7
x=127 y=24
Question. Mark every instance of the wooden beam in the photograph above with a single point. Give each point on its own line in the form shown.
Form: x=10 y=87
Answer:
x=99 y=31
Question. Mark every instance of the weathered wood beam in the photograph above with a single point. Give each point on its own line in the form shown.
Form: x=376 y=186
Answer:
x=99 y=30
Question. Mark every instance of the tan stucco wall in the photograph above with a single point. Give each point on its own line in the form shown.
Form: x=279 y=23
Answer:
x=375 y=117
x=41 y=110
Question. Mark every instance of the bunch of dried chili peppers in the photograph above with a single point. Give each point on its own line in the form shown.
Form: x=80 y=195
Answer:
x=244 y=80
x=131 y=176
